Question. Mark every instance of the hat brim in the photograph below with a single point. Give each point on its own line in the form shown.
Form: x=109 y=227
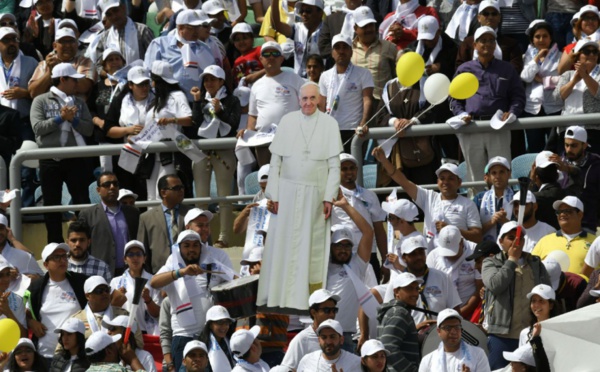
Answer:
x=76 y=76
x=425 y=36
x=474 y=256
x=248 y=261
x=446 y=252
x=365 y=22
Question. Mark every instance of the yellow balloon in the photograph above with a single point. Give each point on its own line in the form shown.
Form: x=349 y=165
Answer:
x=464 y=86
x=410 y=68
x=9 y=335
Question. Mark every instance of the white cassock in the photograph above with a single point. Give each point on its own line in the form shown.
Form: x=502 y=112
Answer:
x=305 y=171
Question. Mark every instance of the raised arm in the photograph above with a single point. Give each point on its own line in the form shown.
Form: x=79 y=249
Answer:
x=396 y=174
x=366 y=241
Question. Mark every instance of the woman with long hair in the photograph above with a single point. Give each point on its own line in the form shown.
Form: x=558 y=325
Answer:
x=72 y=356
x=373 y=356
x=215 y=335
x=585 y=28
x=25 y=358
x=542 y=307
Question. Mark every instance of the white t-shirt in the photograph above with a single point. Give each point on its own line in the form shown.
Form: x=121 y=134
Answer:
x=339 y=283
x=314 y=362
x=17 y=306
x=177 y=107
x=242 y=366
x=535 y=233
x=58 y=303
x=462 y=272
x=271 y=97
x=523 y=336
x=349 y=87
x=460 y=212
x=304 y=343
x=23 y=261
x=439 y=292
x=592 y=258
x=367 y=204
x=474 y=358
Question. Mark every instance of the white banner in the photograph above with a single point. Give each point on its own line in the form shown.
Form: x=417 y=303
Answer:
x=257 y=220
x=150 y=133
x=252 y=138
x=130 y=157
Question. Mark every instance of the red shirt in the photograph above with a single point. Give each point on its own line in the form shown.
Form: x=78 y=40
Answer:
x=408 y=36
x=247 y=64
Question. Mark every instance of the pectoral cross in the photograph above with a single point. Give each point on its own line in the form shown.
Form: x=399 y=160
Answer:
x=405 y=100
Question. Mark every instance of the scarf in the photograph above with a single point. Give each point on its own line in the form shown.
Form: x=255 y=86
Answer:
x=465 y=357
x=304 y=46
x=14 y=78
x=66 y=127
x=549 y=67
x=130 y=110
x=185 y=288
x=430 y=61
x=88 y=9
x=488 y=208
x=219 y=362
x=211 y=126
x=333 y=93
x=497 y=53
x=144 y=320
x=461 y=21
x=348 y=25
x=404 y=15
x=259 y=366
x=365 y=298
x=91 y=318
x=129 y=48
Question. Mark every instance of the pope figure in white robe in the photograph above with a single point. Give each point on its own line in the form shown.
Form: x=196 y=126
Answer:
x=304 y=179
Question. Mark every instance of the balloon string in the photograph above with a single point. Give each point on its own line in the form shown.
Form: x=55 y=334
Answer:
x=412 y=121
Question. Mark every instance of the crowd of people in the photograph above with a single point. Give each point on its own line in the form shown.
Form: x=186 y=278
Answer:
x=340 y=278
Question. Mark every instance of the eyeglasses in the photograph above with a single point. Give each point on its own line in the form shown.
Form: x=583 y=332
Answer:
x=66 y=41
x=587 y=52
x=566 y=211
x=488 y=14
x=306 y=10
x=101 y=290
x=58 y=257
x=222 y=322
x=134 y=254
x=7 y=40
x=175 y=188
x=347 y=246
x=8 y=24
x=273 y=53
x=329 y=310
x=450 y=328
x=108 y=184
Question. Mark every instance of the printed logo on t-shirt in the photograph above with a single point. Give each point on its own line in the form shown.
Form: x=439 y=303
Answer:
x=351 y=87
x=282 y=90
x=343 y=274
x=466 y=269
x=67 y=297
x=433 y=291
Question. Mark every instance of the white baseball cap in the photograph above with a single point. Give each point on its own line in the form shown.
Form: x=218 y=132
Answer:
x=449 y=240
x=64 y=32
x=427 y=28
x=50 y=248
x=595 y=292
x=118 y=321
x=243 y=94
x=213 y=70
x=446 y=314
x=217 y=312
x=542 y=160
x=5 y=264
x=554 y=271
x=321 y=295
x=341 y=233
x=263 y=172
x=589 y=9
x=577 y=133
x=488 y=4
x=93 y=282
x=134 y=244
x=341 y=38
x=165 y=71
x=450 y=167
x=194 y=213
x=242 y=340
x=99 y=341
x=194 y=345
x=204 y=18
x=371 y=347
x=333 y=324
x=507 y=227
x=584 y=43
x=5 y=31
x=25 y=342
x=8 y=15
x=107 y=4
x=3 y=220
x=318 y=3
x=412 y=243
x=544 y=291
x=534 y=23
x=71 y=325
x=571 y=201
x=124 y=192
x=108 y=52
x=530 y=198
x=255 y=256
x=67 y=23
x=347 y=157
x=523 y=354
x=241 y=28
x=401 y=208
x=363 y=15
x=187 y=235
x=271 y=45
x=483 y=29
x=212 y=7
x=574 y=19
x=188 y=17
x=404 y=279
x=137 y=75
x=497 y=160
x=65 y=69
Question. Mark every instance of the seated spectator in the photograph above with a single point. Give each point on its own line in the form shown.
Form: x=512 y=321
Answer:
x=585 y=27
x=589 y=297
x=373 y=356
x=127 y=197
x=12 y=305
x=568 y=286
x=534 y=229
x=400 y=26
x=546 y=189
x=9 y=20
x=42 y=28
x=72 y=340
x=331 y=339
x=195 y=356
x=496 y=205
x=117 y=326
x=221 y=27
x=247 y=348
x=314 y=68
x=241 y=221
x=102 y=352
x=543 y=306
x=22 y=261
x=248 y=64
x=340 y=20
x=25 y=358
x=216 y=334
x=80 y=259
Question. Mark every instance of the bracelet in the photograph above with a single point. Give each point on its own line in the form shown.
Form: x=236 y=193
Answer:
x=173 y=275
x=390 y=174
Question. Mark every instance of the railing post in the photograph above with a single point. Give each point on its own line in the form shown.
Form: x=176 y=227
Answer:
x=16 y=222
x=3 y=174
x=356 y=151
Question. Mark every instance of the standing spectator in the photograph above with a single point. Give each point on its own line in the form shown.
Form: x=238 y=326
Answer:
x=112 y=224
x=25 y=358
x=400 y=26
x=61 y=120
x=331 y=340
x=42 y=28
x=215 y=334
x=13 y=306
x=496 y=205
x=314 y=68
x=534 y=229
x=587 y=20
x=558 y=15
x=340 y=21
x=248 y=64
x=72 y=340
x=374 y=356
x=103 y=354
x=80 y=259
x=544 y=173
x=221 y=27
x=195 y=356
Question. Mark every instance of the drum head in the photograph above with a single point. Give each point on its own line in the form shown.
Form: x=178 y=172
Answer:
x=471 y=334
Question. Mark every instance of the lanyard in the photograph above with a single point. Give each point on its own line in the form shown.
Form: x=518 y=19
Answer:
x=338 y=88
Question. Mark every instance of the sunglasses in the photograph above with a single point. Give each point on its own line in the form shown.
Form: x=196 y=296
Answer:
x=175 y=188
x=567 y=210
x=587 y=52
x=108 y=184
x=487 y=14
x=7 y=40
x=274 y=54
x=101 y=290
x=329 y=310
x=306 y=10
x=8 y=24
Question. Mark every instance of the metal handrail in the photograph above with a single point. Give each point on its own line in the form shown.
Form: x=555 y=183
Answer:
x=16 y=211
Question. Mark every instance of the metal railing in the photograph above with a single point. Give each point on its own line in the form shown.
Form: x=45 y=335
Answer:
x=16 y=211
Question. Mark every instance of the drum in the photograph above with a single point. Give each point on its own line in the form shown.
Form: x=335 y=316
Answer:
x=237 y=296
x=471 y=334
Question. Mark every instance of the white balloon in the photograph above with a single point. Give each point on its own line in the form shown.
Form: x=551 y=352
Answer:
x=562 y=258
x=30 y=145
x=436 y=88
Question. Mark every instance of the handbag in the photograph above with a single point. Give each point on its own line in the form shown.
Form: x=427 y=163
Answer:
x=415 y=151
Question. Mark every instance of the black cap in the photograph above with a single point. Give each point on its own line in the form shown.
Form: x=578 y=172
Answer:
x=484 y=249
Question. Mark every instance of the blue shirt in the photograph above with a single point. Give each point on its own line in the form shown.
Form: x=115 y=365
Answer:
x=500 y=88
x=120 y=231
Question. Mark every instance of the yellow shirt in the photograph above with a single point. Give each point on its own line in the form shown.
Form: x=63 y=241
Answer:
x=576 y=249
x=267 y=29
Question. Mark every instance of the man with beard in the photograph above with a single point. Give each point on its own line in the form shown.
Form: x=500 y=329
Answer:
x=80 y=259
x=112 y=225
x=396 y=328
x=534 y=229
x=195 y=356
x=331 y=357
x=582 y=174
x=188 y=288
